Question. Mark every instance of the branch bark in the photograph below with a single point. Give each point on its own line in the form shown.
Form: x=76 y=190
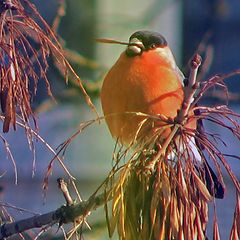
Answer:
x=64 y=214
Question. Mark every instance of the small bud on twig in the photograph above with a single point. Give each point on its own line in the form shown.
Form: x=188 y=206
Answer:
x=196 y=61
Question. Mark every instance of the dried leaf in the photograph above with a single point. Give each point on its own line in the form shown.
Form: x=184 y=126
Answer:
x=202 y=187
x=116 y=201
x=121 y=225
x=180 y=234
x=216 y=235
x=200 y=231
x=174 y=217
x=234 y=231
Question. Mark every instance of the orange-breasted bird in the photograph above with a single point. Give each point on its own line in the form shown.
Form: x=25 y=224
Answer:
x=143 y=86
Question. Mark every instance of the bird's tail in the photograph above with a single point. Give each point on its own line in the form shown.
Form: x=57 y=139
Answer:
x=214 y=186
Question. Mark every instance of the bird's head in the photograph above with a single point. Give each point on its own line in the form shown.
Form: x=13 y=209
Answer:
x=145 y=42
x=142 y=41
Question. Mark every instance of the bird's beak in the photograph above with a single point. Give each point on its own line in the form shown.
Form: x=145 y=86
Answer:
x=135 y=47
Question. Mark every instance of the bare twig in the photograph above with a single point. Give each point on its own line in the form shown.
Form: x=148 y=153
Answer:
x=190 y=89
x=63 y=186
x=61 y=11
x=7 y=205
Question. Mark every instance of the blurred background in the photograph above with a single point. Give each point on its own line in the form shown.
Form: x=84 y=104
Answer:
x=185 y=24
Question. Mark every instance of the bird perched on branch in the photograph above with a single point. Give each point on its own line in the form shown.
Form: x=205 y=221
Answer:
x=142 y=91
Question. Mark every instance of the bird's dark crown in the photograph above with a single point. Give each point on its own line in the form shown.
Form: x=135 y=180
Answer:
x=149 y=39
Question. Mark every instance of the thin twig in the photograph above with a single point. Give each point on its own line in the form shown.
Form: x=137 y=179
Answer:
x=190 y=89
x=61 y=11
x=63 y=186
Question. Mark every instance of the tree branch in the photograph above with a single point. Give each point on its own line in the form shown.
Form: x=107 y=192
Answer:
x=64 y=214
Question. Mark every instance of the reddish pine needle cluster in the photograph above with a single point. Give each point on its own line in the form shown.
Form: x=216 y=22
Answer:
x=26 y=42
x=24 y=49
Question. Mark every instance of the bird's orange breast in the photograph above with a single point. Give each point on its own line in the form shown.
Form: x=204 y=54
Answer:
x=142 y=84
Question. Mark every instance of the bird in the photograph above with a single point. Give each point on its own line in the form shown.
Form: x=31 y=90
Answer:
x=142 y=91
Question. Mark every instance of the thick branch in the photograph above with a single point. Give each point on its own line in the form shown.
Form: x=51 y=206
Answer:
x=8 y=229
x=64 y=214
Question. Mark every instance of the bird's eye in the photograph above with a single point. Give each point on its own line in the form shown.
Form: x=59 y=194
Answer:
x=152 y=46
